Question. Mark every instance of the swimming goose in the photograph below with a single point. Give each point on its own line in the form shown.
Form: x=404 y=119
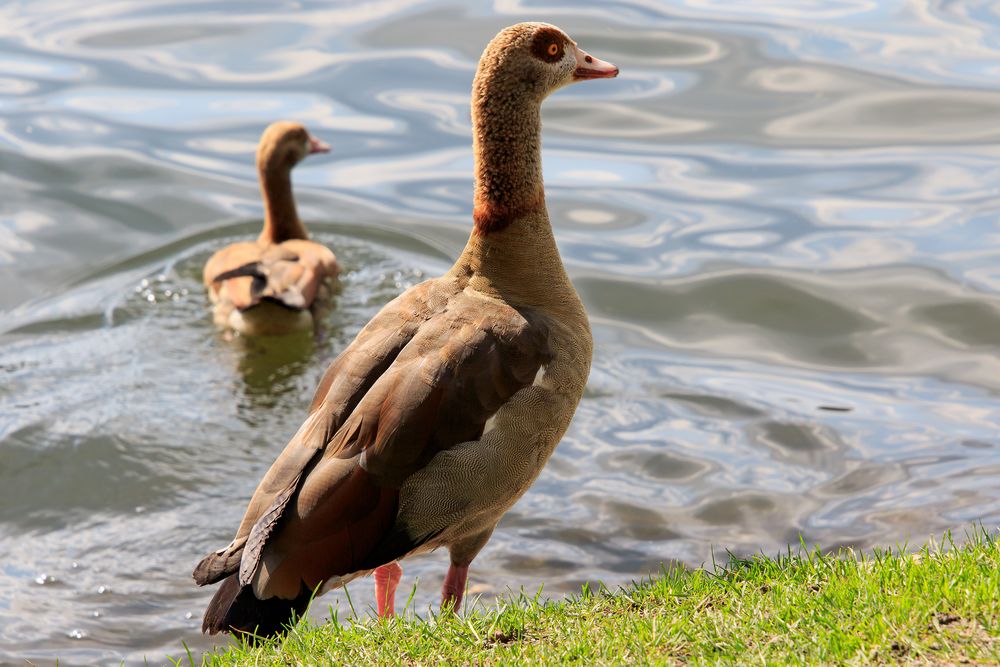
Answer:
x=445 y=408
x=269 y=287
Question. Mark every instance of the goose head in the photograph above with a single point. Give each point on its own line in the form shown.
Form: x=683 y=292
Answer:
x=284 y=144
x=536 y=59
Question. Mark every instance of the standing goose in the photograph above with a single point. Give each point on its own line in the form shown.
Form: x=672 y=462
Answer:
x=445 y=408
x=269 y=287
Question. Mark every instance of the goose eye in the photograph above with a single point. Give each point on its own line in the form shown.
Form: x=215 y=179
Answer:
x=548 y=45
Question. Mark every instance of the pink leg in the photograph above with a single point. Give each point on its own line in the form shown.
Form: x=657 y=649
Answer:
x=454 y=587
x=386 y=579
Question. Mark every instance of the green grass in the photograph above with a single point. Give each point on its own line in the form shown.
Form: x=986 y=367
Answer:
x=938 y=606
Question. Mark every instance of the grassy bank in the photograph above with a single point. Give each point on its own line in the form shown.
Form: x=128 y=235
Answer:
x=940 y=605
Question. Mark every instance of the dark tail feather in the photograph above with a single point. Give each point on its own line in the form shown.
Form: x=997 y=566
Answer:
x=252 y=269
x=235 y=609
x=218 y=565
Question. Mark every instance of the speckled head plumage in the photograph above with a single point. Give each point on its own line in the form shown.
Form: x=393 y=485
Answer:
x=535 y=59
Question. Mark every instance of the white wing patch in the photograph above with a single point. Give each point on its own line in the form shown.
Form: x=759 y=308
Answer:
x=491 y=424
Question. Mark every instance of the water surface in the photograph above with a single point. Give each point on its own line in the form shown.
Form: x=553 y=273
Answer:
x=781 y=218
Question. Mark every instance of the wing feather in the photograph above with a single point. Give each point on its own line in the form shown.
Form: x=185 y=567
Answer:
x=425 y=375
x=288 y=273
x=345 y=382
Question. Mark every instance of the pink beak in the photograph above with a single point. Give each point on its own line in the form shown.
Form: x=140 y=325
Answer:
x=317 y=146
x=589 y=67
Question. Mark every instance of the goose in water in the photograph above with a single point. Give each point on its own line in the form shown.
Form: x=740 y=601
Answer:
x=271 y=286
x=445 y=408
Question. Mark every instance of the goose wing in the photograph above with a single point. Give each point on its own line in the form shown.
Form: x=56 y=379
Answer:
x=423 y=376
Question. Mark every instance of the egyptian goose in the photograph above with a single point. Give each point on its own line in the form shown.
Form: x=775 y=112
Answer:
x=270 y=286
x=442 y=412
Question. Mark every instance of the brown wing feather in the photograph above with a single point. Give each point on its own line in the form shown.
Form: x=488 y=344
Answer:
x=425 y=374
x=348 y=378
x=455 y=372
x=316 y=264
x=291 y=273
x=236 y=291
x=393 y=327
x=341 y=514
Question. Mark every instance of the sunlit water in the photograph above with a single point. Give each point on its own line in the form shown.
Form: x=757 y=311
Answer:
x=782 y=218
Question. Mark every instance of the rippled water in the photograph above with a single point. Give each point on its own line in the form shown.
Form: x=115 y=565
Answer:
x=782 y=218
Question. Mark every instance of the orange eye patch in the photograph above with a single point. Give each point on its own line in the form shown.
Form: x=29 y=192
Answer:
x=553 y=49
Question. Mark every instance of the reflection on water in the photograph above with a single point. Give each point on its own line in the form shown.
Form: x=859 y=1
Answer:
x=781 y=217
